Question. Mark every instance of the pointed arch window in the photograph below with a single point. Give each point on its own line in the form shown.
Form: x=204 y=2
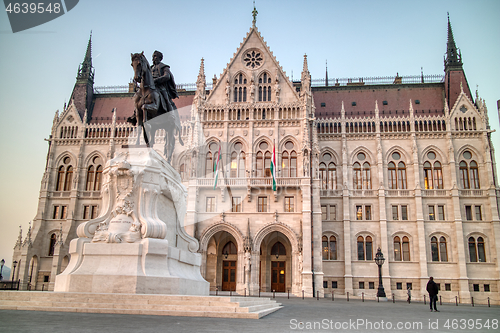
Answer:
x=60 y=179
x=289 y=160
x=357 y=179
x=477 y=250
x=211 y=158
x=265 y=87
x=240 y=89
x=397 y=248
x=406 y=249
x=94 y=175
x=401 y=248
x=64 y=175
x=323 y=176
x=182 y=171
x=285 y=164
x=237 y=161
x=439 y=250
x=362 y=176
x=52 y=245
x=326 y=248
x=433 y=172
x=474 y=175
x=267 y=164
x=260 y=164
x=396 y=172
x=234 y=164
x=428 y=176
x=332 y=176
x=68 y=178
x=209 y=166
x=278 y=249
x=392 y=175
x=464 y=175
x=401 y=176
x=365 y=248
x=438 y=175
x=329 y=247
x=263 y=160
x=229 y=248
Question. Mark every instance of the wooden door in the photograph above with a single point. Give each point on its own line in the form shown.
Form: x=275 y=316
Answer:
x=278 y=276
x=229 y=275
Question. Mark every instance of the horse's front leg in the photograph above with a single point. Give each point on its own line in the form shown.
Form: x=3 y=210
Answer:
x=151 y=104
x=139 y=126
x=171 y=145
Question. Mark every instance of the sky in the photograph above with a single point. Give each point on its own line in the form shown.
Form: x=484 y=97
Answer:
x=358 y=39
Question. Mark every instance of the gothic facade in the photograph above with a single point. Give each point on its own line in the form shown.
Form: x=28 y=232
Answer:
x=406 y=166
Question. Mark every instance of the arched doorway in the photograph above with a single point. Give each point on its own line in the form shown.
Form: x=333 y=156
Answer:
x=222 y=262
x=275 y=273
x=229 y=259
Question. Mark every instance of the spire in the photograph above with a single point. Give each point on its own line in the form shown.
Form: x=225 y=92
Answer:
x=326 y=75
x=305 y=77
x=200 y=82
x=453 y=59
x=305 y=67
x=85 y=70
x=254 y=14
x=19 y=242
x=83 y=91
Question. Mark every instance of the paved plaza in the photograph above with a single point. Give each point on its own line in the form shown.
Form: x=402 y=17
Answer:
x=309 y=315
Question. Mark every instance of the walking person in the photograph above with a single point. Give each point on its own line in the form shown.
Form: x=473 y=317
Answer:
x=432 y=289
x=409 y=296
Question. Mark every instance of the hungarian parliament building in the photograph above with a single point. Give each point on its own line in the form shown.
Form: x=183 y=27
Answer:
x=404 y=164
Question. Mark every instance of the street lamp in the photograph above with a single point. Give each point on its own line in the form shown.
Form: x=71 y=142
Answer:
x=379 y=260
x=14 y=270
x=1 y=268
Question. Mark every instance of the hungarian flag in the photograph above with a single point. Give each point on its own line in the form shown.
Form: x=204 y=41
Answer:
x=216 y=168
x=273 y=168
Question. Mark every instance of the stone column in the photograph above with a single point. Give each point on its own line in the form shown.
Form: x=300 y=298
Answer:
x=307 y=274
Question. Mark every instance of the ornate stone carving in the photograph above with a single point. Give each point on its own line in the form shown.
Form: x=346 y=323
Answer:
x=141 y=227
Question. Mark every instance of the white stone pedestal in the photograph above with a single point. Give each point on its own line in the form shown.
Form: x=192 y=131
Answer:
x=138 y=244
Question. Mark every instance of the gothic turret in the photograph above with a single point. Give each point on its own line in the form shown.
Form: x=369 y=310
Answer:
x=84 y=88
x=454 y=74
x=453 y=60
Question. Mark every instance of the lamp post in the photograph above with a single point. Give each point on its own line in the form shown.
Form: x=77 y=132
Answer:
x=1 y=269
x=379 y=260
x=14 y=270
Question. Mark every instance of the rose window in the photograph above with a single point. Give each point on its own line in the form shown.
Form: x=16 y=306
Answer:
x=253 y=59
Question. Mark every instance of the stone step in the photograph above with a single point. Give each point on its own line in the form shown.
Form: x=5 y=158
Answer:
x=166 y=305
x=213 y=314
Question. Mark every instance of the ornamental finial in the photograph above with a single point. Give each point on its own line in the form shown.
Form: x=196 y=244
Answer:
x=254 y=14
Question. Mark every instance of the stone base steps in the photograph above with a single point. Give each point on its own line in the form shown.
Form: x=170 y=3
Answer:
x=268 y=294
x=162 y=305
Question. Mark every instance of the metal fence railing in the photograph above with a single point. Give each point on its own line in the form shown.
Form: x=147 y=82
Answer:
x=9 y=285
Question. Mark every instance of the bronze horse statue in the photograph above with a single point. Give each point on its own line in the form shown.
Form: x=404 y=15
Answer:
x=151 y=110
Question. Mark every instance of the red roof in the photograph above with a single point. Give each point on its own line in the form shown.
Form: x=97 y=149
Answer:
x=123 y=103
x=429 y=96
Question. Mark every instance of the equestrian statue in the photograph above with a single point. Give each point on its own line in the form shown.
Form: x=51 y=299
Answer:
x=154 y=106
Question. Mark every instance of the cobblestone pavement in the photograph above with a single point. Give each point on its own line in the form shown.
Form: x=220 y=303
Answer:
x=308 y=315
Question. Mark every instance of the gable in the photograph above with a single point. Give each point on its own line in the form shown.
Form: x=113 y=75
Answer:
x=254 y=61
x=464 y=115
x=68 y=123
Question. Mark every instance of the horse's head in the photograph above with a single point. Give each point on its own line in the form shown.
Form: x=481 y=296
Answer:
x=139 y=63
